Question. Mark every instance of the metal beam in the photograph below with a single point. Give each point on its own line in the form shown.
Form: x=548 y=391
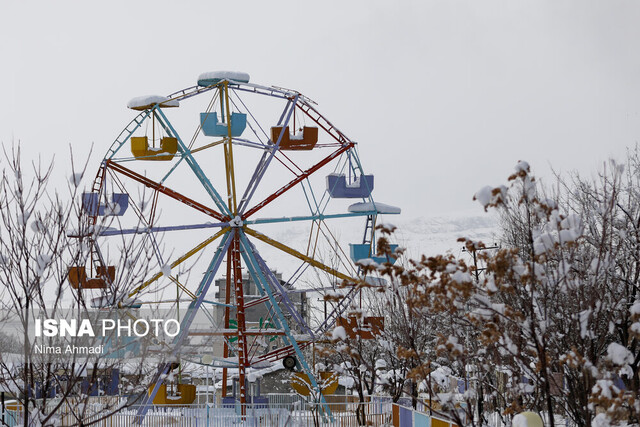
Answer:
x=265 y=161
x=298 y=179
x=141 y=230
x=254 y=256
x=319 y=217
x=298 y=255
x=165 y=190
x=195 y=167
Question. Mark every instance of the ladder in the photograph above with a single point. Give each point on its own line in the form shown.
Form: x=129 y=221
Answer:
x=126 y=133
x=367 y=238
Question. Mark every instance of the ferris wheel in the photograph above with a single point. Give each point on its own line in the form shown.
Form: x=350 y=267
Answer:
x=199 y=182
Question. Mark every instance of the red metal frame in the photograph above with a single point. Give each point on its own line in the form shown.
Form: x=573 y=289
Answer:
x=243 y=361
x=165 y=190
x=305 y=108
x=227 y=315
x=297 y=180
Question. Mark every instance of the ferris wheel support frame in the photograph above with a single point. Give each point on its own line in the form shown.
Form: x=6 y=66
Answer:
x=255 y=263
x=223 y=247
x=265 y=161
x=195 y=167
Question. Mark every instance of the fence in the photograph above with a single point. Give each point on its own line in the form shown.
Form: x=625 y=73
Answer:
x=282 y=410
x=407 y=417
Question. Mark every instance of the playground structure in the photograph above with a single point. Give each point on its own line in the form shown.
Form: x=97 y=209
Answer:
x=252 y=164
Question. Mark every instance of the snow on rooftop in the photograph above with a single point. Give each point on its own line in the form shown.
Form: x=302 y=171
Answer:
x=145 y=102
x=378 y=207
x=346 y=381
x=213 y=77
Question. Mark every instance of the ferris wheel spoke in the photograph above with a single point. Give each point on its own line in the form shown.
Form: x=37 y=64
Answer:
x=180 y=260
x=340 y=307
x=298 y=255
x=265 y=161
x=298 y=179
x=164 y=190
x=319 y=217
x=283 y=292
x=311 y=198
x=256 y=177
x=228 y=151
x=195 y=167
x=183 y=287
x=206 y=146
x=144 y=229
x=251 y=254
x=267 y=282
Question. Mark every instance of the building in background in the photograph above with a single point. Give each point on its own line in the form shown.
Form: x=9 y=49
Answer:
x=257 y=315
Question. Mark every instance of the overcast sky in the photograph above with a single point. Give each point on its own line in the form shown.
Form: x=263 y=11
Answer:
x=442 y=96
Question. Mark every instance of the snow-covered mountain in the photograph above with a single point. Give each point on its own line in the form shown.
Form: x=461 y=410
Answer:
x=439 y=234
x=423 y=235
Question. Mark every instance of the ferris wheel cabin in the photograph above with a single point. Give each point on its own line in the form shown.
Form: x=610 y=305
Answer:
x=78 y=277
x=360 y=188
x=117 y=207
x=211 y=126
x=140 y=147
x=305 y=140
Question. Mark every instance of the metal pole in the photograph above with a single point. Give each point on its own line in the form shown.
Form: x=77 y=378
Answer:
x=227 y=315
x=243 y=357
x=475 y=266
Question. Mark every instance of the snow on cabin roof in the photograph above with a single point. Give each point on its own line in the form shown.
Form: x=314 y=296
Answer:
x=145 y=102
x=378 y=207
x=213 y=77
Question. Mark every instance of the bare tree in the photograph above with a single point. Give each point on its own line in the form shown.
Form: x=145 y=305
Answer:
x=589 y=256
x=44 y=239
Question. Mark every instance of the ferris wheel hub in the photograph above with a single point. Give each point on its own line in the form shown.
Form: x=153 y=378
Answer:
x=236 y=222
